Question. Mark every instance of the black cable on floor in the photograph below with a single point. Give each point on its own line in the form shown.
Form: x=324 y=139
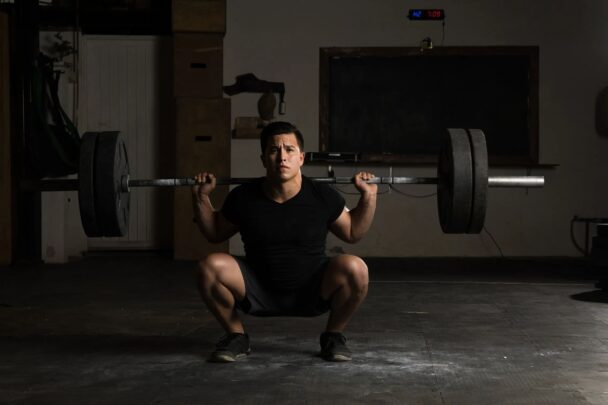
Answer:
x=494 y=240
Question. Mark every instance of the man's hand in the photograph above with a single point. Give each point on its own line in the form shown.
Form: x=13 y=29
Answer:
x=362 y=185
x=205 y=184
x=353 y=224
x=214 y=226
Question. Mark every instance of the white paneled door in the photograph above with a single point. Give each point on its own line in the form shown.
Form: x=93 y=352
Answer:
x=119 y=90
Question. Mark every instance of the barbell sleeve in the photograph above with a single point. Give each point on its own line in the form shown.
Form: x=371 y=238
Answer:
x=516 y=181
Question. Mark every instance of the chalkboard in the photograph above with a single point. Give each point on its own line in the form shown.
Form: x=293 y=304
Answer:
x=392 y=104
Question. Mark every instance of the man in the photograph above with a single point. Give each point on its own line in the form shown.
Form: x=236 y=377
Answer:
x=283 y=219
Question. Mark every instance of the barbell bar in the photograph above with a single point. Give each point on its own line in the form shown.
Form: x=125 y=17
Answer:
x=497 y=181
x=127 y=183
x=104 y=182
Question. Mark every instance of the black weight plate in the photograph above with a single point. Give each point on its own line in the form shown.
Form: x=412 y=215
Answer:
x=111 y=202
x=479 y=154
x=455 y=181
x=86 y=181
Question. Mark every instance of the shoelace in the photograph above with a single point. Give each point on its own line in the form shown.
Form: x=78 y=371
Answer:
x=225 y=340
x=336 y=338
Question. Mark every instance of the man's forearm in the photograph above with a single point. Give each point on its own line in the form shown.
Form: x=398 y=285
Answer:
x=204 y=215
x=362 y=216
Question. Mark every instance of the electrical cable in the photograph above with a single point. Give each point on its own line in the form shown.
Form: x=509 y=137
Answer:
x=349 y=193
x=494 y=240
x=573 y=238
x=395 y=189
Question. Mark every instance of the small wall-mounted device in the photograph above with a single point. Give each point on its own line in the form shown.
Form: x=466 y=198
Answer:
x=426 y=14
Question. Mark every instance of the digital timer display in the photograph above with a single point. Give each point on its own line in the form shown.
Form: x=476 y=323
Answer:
x=426 y=14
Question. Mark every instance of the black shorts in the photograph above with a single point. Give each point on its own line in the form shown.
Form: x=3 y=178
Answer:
x=260 y=301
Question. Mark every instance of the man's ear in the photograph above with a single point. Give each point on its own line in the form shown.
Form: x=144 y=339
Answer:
x=302 y=156
x=263 y=162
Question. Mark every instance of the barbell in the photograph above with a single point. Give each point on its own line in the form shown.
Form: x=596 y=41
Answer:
x=104 y=184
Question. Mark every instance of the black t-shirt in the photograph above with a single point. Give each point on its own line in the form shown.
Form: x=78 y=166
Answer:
x=284 y=242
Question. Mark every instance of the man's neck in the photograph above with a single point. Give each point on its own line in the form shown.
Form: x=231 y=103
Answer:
x=281 y=191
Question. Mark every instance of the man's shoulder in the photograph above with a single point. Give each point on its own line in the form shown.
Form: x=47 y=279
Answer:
x=243 y=193
x=248 y=187
x=320 y=189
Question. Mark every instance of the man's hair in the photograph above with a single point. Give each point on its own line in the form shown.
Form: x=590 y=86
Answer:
x=278 y=128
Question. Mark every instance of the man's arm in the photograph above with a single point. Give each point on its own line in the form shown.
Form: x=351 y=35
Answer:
x=353 y=224
x=213 y=225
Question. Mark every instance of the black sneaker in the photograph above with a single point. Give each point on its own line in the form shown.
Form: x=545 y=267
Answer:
x=333 y=347
x=231 y=346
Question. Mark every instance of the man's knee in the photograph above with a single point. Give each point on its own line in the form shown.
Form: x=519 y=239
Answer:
x=358 y=272
x=211 y=267
x=352 y=269
x=219 y=270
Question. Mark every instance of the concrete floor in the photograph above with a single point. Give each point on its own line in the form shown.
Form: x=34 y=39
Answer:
x=131 y=330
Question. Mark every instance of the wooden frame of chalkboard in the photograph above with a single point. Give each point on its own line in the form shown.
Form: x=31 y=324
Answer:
x=391 y=104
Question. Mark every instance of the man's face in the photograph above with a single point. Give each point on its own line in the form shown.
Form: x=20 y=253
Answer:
x=283 y=157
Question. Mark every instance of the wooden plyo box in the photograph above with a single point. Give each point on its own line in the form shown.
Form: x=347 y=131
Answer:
x=198 y=65
x=198 y=16
x=202 y=144
x=247 y=127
